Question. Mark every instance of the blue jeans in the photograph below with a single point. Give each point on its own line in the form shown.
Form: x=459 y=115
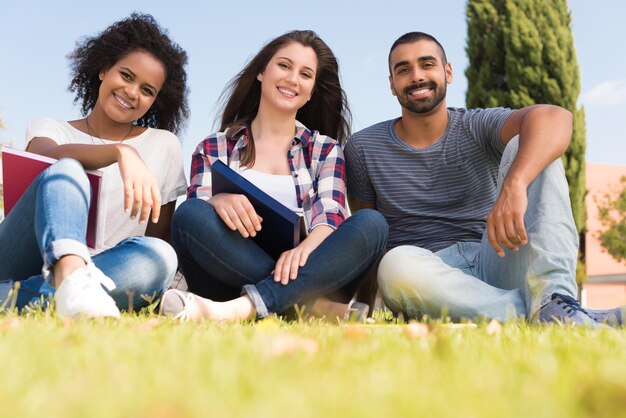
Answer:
x=220 y=264
x=469 y=279
x=50 y=221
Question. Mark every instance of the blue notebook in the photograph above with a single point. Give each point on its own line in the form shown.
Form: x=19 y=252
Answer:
x=280 y=229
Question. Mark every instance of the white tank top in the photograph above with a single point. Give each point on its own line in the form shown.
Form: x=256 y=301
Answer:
x=279 y=186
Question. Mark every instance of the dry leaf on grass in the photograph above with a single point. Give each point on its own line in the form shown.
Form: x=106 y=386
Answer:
x=267 y=324
x=151 y=323
x=416 y=330
x=494 y=327
x=10 y=323
x=289 y=344
x=67 y=323
x=355 y=331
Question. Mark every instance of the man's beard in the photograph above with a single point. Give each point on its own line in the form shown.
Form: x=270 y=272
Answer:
x=421 y=106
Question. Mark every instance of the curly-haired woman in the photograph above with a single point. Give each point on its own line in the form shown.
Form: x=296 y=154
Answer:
x=131 y=83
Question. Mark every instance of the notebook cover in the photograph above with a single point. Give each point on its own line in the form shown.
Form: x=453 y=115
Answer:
x=20 y=168
x=280 y=229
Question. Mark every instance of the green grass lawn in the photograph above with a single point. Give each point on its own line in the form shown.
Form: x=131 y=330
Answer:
x=145 y=366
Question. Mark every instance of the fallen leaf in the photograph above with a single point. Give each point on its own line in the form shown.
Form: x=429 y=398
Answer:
x=494 y=327
x=289 y=344
x=10 y=323
x=354 y=331
x=267 y=324
x=416 y=330
x=67 y=323
x=148 y=325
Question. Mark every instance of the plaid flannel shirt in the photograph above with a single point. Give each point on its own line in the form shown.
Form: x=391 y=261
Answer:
x=317 y=168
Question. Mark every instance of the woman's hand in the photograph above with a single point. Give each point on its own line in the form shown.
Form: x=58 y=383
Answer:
x=290 y=261
x=141 y=192
x=237 y=213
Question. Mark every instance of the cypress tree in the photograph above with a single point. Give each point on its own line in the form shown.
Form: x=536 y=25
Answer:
x=521 y=52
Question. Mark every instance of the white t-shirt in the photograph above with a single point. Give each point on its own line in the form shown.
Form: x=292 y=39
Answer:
x=160 y=151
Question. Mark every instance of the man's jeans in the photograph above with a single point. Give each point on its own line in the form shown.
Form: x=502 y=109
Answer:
x=469 y=280
x=220 y=264
x=50 y=221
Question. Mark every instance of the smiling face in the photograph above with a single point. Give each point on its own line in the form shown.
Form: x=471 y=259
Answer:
x=289 y=78
x=130 y=87
x=419 y=76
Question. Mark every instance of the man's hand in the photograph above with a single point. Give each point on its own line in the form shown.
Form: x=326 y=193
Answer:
x=505 y=223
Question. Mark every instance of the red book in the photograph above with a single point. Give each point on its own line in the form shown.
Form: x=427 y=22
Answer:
x=20 y=168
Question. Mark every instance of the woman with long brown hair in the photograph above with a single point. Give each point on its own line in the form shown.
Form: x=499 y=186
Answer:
x=281 y=114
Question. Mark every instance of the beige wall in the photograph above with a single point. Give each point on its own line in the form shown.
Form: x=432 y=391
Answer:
x=604 y=295
x=601 y=178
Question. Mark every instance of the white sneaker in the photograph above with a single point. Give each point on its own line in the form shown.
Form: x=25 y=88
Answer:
x=81 y=293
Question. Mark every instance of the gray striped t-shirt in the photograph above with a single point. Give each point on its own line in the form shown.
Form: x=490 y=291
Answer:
x=435 y=196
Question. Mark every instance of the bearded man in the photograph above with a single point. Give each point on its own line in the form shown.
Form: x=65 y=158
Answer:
x=480 y=222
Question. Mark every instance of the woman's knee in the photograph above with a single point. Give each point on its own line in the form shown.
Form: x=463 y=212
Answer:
x=70 y=167
x=373 y=226
x=159 y=258
x=372 y=220
x=195 y=215
x=69 y=170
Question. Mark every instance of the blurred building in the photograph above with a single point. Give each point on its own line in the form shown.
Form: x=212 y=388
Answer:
x=606 y=283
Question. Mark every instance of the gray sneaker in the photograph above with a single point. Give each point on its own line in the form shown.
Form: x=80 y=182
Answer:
x=357 y=312
x=613 y=317
x=566 y=310
x=173 y=302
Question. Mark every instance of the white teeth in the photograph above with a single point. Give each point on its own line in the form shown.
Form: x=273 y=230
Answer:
x=123 y=102
x=420 y=91
x=287 y=92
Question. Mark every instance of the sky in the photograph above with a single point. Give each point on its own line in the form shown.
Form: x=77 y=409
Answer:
x=220 y=37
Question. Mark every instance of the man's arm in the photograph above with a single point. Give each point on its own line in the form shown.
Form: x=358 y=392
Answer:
x=544 y=133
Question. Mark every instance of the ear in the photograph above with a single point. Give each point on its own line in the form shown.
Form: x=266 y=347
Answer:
x=102 y=74
x=259 y=77
x=393 y=90
x=448 y=70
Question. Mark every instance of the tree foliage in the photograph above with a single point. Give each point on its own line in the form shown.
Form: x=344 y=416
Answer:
x=612 y=214
x=521 y=52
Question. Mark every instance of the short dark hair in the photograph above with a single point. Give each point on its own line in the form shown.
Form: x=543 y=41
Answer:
x=326 y=112
x=411 y=37
x=137 y=32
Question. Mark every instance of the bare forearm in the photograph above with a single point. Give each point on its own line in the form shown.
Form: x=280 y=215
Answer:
x=318 y=235
x=545 y=133
x=92 y=157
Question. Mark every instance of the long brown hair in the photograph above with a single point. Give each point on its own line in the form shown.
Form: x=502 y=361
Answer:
x=327 y=112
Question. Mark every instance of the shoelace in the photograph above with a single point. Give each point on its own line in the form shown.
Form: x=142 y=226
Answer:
x=184 y=316
x=571 y=304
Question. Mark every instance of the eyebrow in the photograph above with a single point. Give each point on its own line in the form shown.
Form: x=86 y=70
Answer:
x=308 y=68
x=135 y=75
x=420 y=59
